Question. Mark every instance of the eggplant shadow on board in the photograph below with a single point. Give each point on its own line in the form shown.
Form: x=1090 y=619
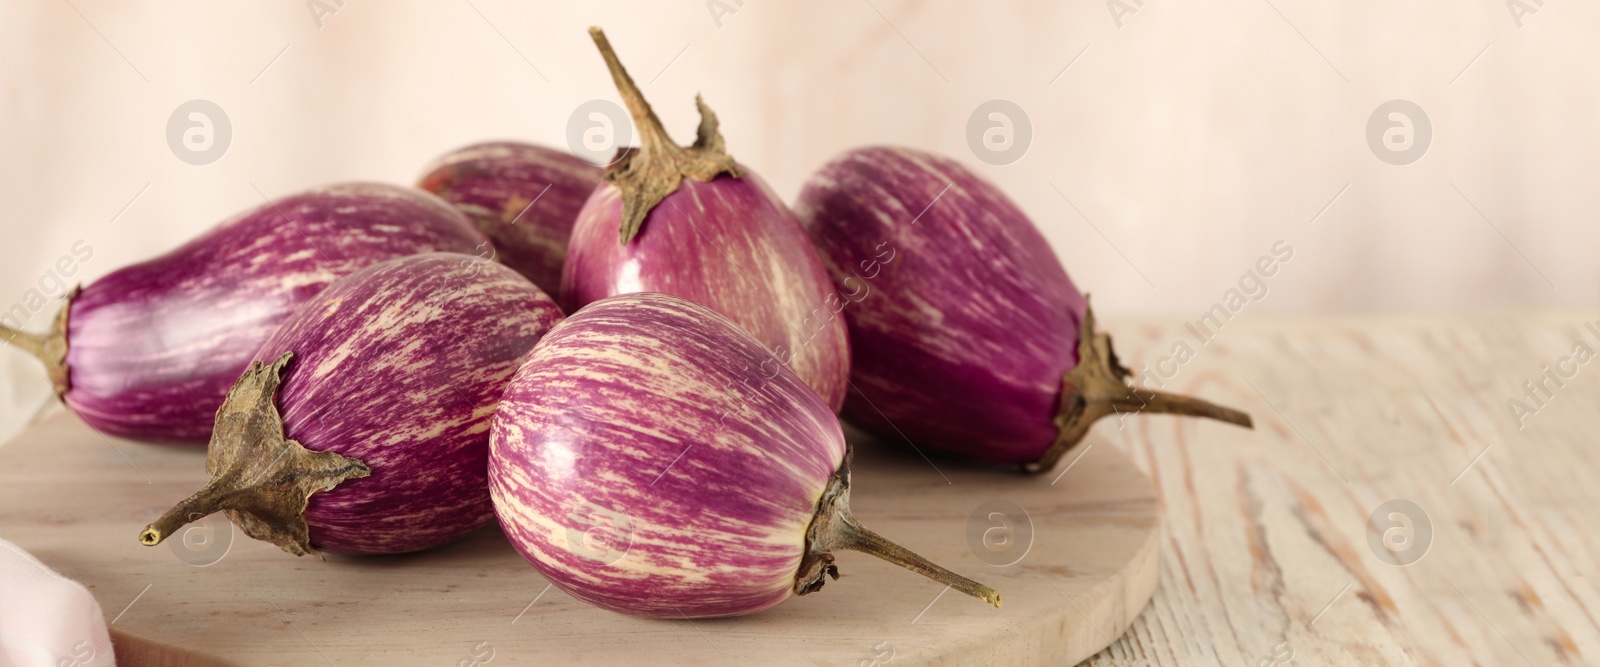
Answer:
x=149 y=351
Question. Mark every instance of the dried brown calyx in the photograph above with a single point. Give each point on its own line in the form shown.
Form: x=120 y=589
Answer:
x=833 y=528
x=260 y=477
x=647 y=174
x=1098 y=386
x=50 y=348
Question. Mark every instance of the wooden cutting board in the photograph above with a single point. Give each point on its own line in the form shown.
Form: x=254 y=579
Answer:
x=1073 y=554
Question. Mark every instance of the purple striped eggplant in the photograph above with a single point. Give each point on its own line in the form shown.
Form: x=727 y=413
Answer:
x=691 y=222
x=642 y=466
x=524 y=197
x=376 y=439
x=968 y=336
x=149 y=351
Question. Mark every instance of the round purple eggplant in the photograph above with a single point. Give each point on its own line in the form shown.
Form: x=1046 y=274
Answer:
x=149 y=351
x=524 y=197
x=968 y=337
x=641 y=464
x=376 y=439
x=691 y=222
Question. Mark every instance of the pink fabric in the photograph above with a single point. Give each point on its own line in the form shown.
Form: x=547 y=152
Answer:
x=46 y=619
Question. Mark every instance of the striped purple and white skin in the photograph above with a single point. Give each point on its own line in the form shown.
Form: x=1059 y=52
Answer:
x=400 y=366
x=642 y=464
x=962 y=320
x=692 y=222
x=525 y=197
x=728 y=244
x=153 y=348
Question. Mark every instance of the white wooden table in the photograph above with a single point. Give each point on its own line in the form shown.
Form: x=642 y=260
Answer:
x=1269 y=547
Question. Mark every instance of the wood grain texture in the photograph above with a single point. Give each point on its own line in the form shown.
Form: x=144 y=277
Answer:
x=77 y=501
x=1267 y=541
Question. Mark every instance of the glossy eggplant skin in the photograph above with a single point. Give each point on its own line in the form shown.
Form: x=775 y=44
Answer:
x=731 y=245
x=642 y=466
x=400 y=366
x=154 y=347
x=524 y=197
x=964 y=320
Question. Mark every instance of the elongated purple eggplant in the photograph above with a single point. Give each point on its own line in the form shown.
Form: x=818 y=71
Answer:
x=376 y=439
x=524 y=197
x=968 y=336
x=149 y=351
x=695 y=224
x=641 y=470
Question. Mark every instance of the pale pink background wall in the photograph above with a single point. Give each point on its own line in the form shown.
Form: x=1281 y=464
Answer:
x=1192 y=135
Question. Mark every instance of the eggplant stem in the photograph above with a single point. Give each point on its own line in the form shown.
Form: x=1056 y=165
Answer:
x=31 y=343
x=855 y=537
x=647 y=175
x=49 y=348
x=652 y=134
x=205 y=502
x=834 y=527
x=1098 y=386
x=260 y=477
